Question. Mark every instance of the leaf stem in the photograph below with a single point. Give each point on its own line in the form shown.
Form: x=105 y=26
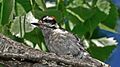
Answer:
x=24 y=23
x=20 y=26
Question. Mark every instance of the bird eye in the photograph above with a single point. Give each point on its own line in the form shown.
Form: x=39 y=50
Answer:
x=45 y=20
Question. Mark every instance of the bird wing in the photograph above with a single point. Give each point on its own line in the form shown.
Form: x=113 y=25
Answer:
x=64 y=43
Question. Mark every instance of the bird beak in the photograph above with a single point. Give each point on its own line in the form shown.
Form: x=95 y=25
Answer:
x=36 y=24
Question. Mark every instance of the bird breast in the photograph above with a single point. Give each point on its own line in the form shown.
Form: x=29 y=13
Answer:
x=62 y=42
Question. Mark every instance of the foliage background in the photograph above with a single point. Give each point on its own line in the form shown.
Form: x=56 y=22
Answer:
x=80 y=17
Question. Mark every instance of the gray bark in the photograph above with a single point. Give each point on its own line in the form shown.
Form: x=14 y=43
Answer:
x=14 y=54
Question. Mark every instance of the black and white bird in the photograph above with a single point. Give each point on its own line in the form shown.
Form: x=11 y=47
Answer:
x=60 y=41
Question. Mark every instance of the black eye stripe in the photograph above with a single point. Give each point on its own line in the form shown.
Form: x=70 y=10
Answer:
x=47 y=21
x=50 y=21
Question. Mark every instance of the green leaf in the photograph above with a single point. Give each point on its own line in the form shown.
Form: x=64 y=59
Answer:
x=94 y=2
x=41 y=4
x=111 y=19
x=19 y=10
x=22 y=24
x=92 y=17
x=25 y=4
x=76 y=15
x=93 y=22
x=71 y=23
x=81 y=13
x=2 y=65
x=6 y=11
x=0 y=8
x=61 y=5
x=74 y=3
x=102 y=26
x=37 y=12
x=100 y=53
x=6 y=32
x=79 y=29
x=104 y=6
x=68 y=2
x=22 y=7
x=35 y=36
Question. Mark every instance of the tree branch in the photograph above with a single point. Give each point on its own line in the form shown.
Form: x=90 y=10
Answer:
x=17 y=54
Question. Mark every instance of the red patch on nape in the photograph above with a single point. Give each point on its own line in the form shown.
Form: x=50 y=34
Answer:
x=53 y=17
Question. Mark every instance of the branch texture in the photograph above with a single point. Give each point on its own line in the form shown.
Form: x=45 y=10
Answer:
x=14 y=54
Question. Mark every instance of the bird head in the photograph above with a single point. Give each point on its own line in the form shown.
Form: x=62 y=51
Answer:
x=47 y=22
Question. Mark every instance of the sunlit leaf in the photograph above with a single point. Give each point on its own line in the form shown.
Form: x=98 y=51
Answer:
x=104 y=6
x=19 y=10
x=102 y=26
x=75 y=3
x=111 y=19
x=104 y=41
x=41 y=4
x=25 y=24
